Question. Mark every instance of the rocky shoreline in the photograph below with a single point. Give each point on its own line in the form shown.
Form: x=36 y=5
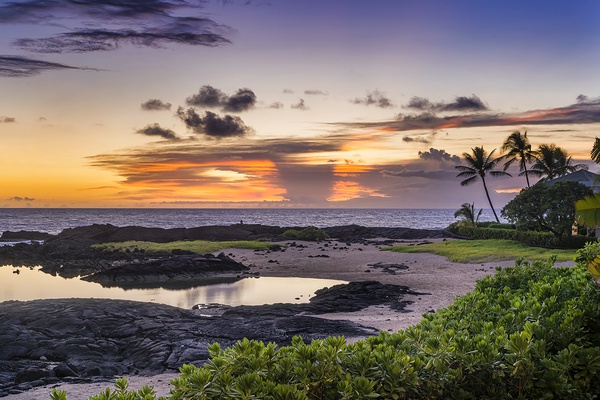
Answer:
x=82 y=340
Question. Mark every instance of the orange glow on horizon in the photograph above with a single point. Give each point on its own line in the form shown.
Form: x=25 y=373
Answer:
x=346 y=190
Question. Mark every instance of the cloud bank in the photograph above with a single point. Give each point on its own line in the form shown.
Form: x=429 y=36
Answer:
x=148 y=23
x=157 y=130
x=209 y=97
x=19 y=67
x=375 y=98
x=213 y=125
x=155 y=105
x=585 y=111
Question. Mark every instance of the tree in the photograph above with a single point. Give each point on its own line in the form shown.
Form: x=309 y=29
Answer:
x=546 y=208
x=467 y=214
x=552 y=161
x=595 y=153
x=518 y=146
x=479 y=164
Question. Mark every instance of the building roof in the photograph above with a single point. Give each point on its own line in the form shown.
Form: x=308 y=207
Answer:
x=582 y=176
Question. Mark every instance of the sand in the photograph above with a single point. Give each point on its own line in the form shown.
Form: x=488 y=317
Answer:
x=440 y=281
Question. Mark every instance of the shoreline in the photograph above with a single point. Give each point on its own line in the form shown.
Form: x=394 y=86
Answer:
x=435 y=281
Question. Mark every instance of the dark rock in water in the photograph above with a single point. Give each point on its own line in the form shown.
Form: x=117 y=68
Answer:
x=171 y=268
x=79 y=340
x=357 y=233
x=69 y=253
x=25 y=235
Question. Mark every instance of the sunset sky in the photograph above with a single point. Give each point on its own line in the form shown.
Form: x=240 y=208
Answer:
x=285 y=103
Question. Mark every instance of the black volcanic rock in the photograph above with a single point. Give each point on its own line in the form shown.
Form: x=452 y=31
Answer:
x=79 y=340
x=25 y=235
x=171 y=268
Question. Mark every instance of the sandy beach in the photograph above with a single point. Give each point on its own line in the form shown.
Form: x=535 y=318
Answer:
x=438 y=280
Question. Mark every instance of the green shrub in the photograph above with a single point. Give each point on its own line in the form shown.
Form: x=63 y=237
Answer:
x=498 y=225
x=310 y=233
x=531 y=238
x=532 y=331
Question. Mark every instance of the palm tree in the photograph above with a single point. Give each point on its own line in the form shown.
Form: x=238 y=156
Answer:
x=479 y=164
x=467 y=214
x=552 y=161
x=595 y=153
x=518 y=146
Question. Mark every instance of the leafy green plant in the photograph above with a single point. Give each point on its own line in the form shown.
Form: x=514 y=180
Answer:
x=546 y=208
x=195 y=246
x=587 y=210
x=310 y=233
x=531 y=331
x=121 y=392
x=467 y=214
x=530 y=238
x=478 y=251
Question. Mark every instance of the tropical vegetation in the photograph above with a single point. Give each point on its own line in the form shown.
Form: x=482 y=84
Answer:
x=517 y=147
x=482 y=251
x=546 y=207
x=194 y=246
x=467 y=214
x=480 y=163
x=552 y=161
x=531 y=331
x=310 y=233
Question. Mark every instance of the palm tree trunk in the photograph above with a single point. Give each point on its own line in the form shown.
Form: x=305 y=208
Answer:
x=526 y=175
x=489 y=200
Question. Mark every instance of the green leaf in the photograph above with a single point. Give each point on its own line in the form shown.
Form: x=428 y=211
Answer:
x=587 y=211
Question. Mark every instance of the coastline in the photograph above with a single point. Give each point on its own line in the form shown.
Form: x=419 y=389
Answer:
x=435 y=281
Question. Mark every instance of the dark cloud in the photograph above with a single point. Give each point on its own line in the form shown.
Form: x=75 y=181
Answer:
x=582 y=112
x=207 y=96
x=374 y=98
x=288 y=91
x=461 y=103
x=244 y=99
x=156 y=130
x=212 y=124
x=19 y=67
x=420 y=138
x=276 y=105
x=315 y=92
x=155 y=105
x=300 y=105
x=18 y=198
x=439 y=155
x=421 y=173
x=152 y=23
x=7 y=120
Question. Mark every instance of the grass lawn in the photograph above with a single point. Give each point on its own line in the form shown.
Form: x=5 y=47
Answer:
x=197 y=246
x=480 y=251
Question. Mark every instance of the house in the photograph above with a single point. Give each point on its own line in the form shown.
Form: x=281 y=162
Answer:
x=584 y=177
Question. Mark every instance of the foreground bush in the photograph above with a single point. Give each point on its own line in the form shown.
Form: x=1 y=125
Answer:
x=530 y=238
x=311 y=233
x=529 y=332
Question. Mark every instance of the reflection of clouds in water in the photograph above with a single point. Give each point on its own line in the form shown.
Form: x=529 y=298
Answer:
x=33 y=284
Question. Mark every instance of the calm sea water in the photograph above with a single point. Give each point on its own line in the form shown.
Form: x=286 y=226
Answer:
x=32 y=284
x=54 y=220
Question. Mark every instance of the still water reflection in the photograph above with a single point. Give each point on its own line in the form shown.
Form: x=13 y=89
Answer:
x=30 y=284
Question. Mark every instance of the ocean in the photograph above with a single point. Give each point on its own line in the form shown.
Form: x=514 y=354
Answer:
x=54 y=220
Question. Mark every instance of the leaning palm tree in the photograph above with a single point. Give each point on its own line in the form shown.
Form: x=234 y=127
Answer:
x=595 y=153
x=479 y=164
x=467 y=214
x=518 y=146
x=552 y=161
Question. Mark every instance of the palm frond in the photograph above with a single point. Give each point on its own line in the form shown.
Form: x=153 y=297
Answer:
x=468 y=181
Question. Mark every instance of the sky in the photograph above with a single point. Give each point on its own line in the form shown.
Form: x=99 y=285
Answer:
x=285 y=103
